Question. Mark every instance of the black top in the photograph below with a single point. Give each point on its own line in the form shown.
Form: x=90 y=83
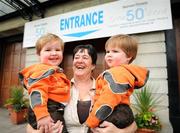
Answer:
x=83 y=110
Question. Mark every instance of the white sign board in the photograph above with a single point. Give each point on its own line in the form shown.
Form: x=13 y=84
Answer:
x=123 y=16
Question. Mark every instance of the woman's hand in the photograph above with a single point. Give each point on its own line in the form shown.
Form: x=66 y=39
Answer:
x=108 y=127
x=29 y=129
x=45 y=123
x=57 y=127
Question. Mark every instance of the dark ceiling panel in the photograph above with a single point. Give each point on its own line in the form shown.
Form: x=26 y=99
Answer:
x=25 y=8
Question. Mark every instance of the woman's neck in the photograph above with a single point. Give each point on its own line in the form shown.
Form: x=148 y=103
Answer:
x=82 y=79
x=84 y=85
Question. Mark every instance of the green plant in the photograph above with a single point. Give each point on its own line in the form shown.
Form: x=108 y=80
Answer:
x=145 y=105
x=17 y=101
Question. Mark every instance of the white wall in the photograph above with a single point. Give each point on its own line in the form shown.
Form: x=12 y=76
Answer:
x=152 y=54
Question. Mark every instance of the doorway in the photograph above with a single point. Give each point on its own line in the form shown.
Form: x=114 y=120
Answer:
x=12 y=61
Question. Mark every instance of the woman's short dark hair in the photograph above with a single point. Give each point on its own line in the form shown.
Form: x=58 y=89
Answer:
x=91 y=51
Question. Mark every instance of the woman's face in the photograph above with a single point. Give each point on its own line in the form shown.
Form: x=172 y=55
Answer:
x=82 y=63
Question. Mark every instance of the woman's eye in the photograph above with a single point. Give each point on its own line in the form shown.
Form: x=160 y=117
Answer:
x=85 y=57
x=76 y=57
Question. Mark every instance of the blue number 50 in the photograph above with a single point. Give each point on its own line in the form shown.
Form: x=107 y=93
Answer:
x=136 y=14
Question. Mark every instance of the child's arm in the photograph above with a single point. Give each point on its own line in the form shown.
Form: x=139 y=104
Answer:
x=35 y=79
x=38 y=98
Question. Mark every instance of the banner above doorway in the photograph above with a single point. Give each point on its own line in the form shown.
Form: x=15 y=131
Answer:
x=123 y=16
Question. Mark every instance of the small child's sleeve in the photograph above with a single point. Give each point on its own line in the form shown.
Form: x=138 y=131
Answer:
x=116 y=87
x=37 y=84
x=38 y=97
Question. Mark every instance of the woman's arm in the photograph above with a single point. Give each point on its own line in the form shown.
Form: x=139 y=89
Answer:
x=108 y=127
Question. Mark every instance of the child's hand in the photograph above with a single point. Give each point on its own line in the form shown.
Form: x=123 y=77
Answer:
x=45 y=123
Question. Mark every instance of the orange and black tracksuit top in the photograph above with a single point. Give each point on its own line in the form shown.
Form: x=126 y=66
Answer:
x=45 y=82
x=114 y=87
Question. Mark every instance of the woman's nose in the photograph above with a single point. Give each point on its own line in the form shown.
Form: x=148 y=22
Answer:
x=80 y=59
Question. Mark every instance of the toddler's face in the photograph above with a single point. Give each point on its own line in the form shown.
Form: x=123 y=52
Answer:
x=116 y=56
x=51 y=53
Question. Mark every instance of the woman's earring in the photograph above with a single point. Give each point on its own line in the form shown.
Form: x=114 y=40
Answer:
x=93 y=68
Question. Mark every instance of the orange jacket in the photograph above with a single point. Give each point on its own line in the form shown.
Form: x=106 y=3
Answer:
x=113 y=87
x=45 y=82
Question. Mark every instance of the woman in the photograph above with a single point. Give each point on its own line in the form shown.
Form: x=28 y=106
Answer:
x=82 y=91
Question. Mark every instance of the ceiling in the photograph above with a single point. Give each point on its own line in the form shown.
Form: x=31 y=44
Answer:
x=25 y=8
x=28 y=8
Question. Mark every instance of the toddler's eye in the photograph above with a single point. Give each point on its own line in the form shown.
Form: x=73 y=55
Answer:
x=107 y=51
x=58 y=49
x=115 y=51
x=47 y=50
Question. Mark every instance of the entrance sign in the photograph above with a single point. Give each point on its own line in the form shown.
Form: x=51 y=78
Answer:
x=123 y=16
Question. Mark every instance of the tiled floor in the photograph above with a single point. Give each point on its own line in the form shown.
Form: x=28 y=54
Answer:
x=6 y=125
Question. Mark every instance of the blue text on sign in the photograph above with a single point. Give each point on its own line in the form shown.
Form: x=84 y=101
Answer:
x=88 y=19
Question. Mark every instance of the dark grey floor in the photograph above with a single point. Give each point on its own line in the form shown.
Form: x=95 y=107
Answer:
x=6 y=126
